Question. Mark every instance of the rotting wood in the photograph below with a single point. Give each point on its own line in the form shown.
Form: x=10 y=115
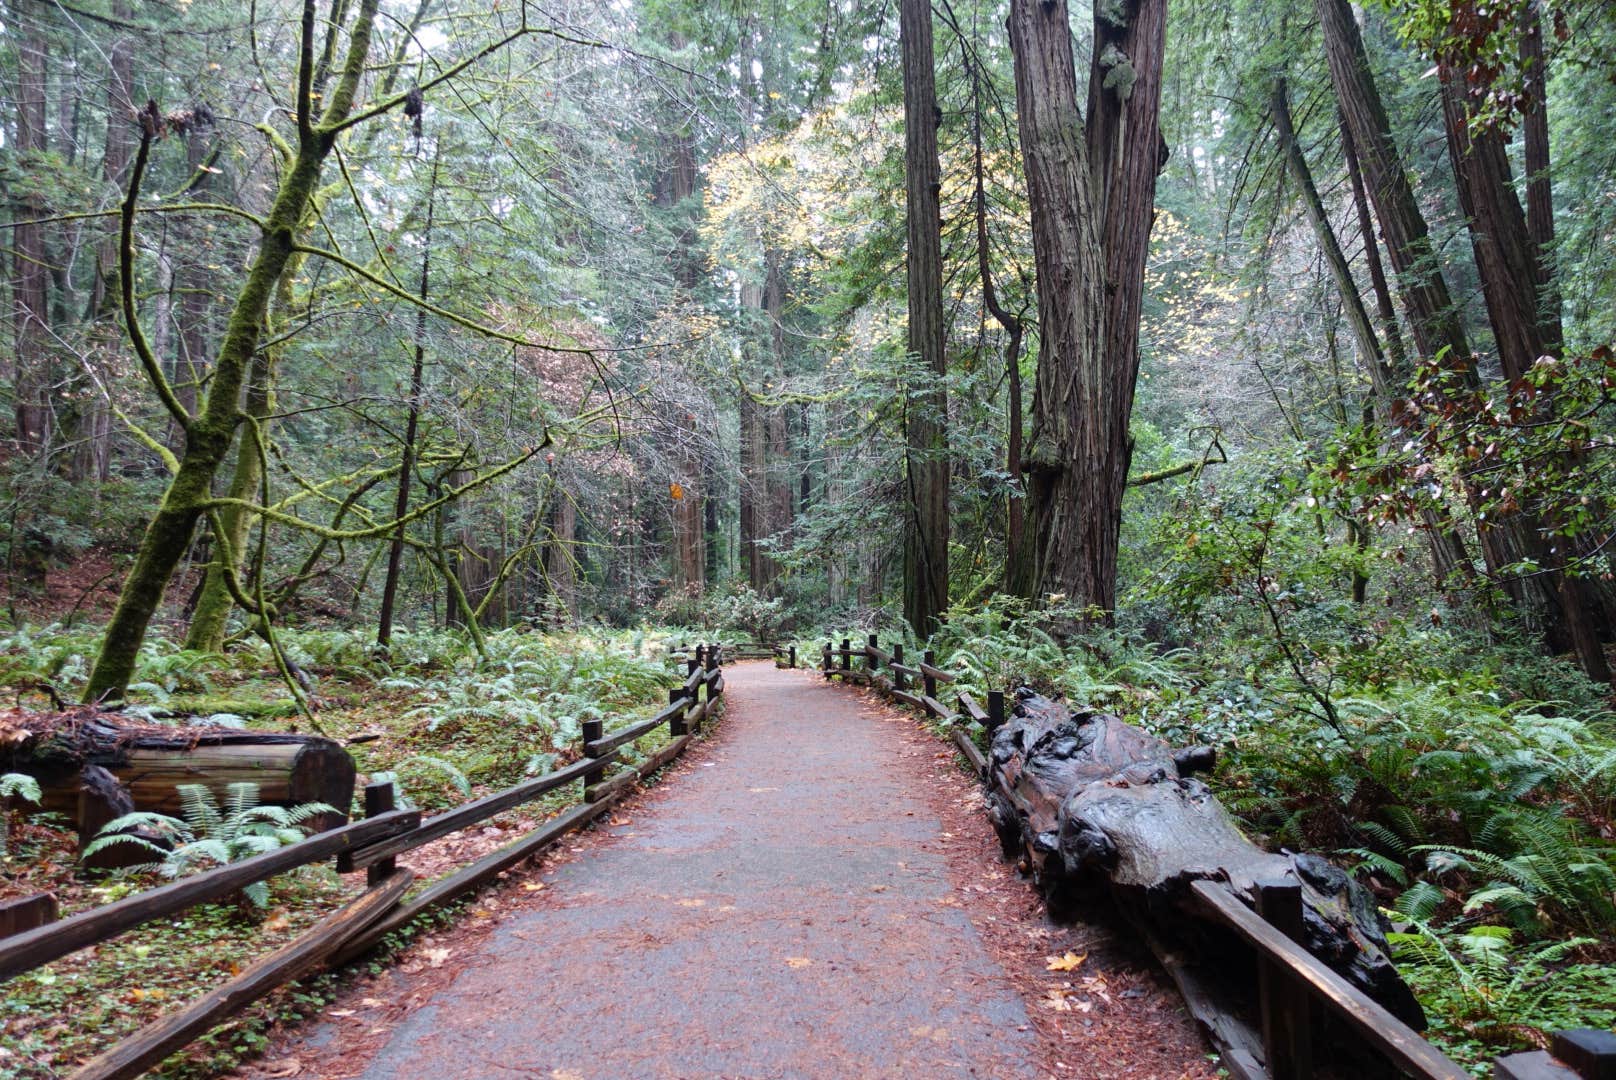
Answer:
x=152 y=760
x=1103 y=800
x=155 y=1042
x=29 y=950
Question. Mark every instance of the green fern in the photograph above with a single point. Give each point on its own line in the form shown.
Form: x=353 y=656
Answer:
x=208 y=835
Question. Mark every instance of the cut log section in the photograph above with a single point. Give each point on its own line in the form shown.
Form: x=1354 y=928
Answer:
x=1090 y=798
x=150 y=761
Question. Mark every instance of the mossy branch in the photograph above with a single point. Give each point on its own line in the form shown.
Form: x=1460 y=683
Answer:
x=271 y=514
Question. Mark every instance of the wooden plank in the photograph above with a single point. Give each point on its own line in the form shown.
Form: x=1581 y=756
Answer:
x=693 y=683
x=936 y=673
x=611 y=787
x=441 y=825
x=598 y=748
x=968 y=747
x=907 y=698
x=876 y=656
x=157 y=1041
x=1388 y=1035
x=933 y=706
x=27 y=913
x=672 y=750
x=28 y=951
x=971 y=709
x=905 y=669
x=472 y=877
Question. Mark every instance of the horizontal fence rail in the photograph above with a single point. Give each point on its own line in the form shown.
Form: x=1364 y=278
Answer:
x=371 y=844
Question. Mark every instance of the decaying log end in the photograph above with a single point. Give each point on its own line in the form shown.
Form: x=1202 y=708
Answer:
x=1085 y=795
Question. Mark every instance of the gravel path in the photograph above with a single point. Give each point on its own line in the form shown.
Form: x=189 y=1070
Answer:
x=796 y=901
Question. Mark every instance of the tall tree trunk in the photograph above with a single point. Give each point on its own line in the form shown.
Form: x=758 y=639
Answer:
x=779 y=494
x=210 y=431
x=1089 y=273
x=1516 y=288
x=1015 y=502
x=31 y=380
x=1539 y=188
x=93 y=459
x=925 y=413
x=1447 y=549
x=1432 y=316
x=1126 y=154
x=412 y=424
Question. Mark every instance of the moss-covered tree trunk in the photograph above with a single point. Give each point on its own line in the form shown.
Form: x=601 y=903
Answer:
x=210 y=432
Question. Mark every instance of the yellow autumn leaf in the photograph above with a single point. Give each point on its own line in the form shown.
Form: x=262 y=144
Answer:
x=676 y=491
x=798 y=961
x=1070 y=962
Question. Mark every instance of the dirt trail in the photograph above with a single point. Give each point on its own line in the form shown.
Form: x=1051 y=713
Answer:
x=811 y=895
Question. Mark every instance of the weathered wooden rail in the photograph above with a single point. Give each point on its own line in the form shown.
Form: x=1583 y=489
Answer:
x=373 y=845
x=1293 y=985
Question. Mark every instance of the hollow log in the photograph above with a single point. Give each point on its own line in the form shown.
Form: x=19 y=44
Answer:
x=1091 y=798
x=150 y=761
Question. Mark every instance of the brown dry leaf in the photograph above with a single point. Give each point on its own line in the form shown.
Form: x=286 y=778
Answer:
x=692 y=902
x=798 y=961
x=1070 y=962
x=565 y=1074
x=276 y=922
x=1057 y=1000
x=289 y=1067
x=436 y=957
x=533 y=886
x=340 y=1014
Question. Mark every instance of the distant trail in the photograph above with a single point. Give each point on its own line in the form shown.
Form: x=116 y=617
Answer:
x=783 y=907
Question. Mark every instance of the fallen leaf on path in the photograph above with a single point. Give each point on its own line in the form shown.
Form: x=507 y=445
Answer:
x=692 y=902
x=1070 y=962
x=289 y=1067
x=436 y=957
x=533 y=886
x=340 y=1014
x=798 y=961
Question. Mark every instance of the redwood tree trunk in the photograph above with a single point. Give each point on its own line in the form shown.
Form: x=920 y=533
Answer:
x=31 y=269
x=1089 y=271
x=925 y=414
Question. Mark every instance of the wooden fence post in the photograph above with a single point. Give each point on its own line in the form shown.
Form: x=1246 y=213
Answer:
x=898 y=681
x=592 y=730
x=1287 y=1034
x=27 y=913
x=869 y=661
x=676 y=722
x=827 y=659
x=995 y=710
x=379 y=799
x=792 y=659
x=929 y=681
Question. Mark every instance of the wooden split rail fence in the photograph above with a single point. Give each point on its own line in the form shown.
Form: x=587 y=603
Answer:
x=1293 y=985
x=373 y=845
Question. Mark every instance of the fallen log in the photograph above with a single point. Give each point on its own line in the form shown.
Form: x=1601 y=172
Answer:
x=1091 y=799
x=150 y=761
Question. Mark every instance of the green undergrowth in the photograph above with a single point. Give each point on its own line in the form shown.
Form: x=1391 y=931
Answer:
x=443 y=722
